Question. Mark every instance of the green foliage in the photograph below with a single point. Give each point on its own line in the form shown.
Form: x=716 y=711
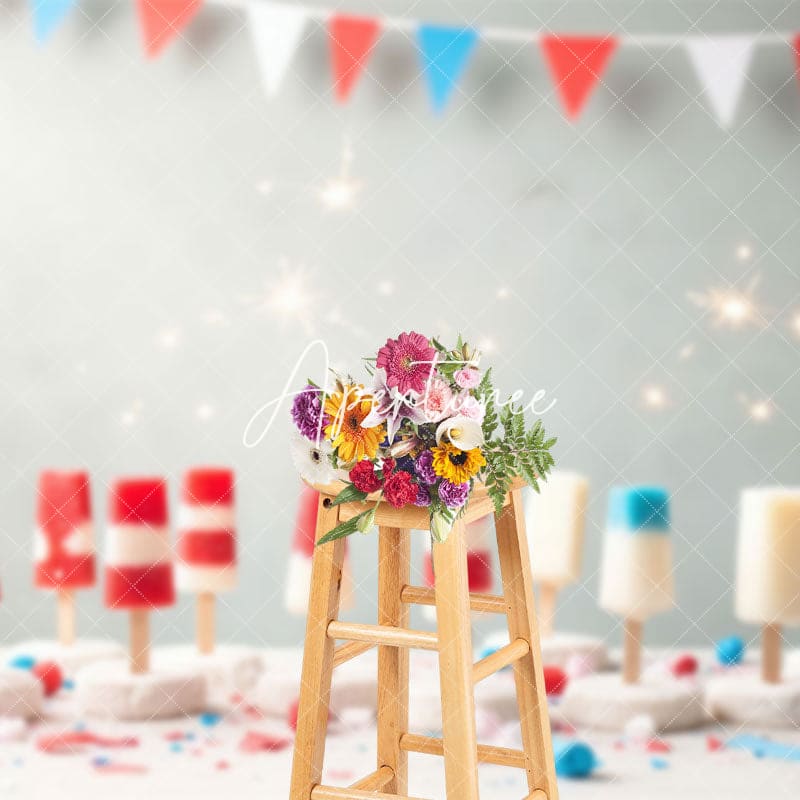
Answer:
x=518 y=452
x=351 y=526
x=348 y=495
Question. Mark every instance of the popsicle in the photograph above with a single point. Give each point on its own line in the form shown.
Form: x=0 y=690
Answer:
x=479 y=536
x=554 y=519
x=298 y=575
x=138 y=571
x=206 y=547
x=768 y=568
x=64 y=558
x=636 y=578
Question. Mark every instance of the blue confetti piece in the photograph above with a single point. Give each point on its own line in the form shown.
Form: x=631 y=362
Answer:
x=176 y=747
x=68 y=684
x=659 y=763
x=190 y=736
x=209 y=720
x=101 y=761
x=730 y=650
x=764 y=748
x=22 y=662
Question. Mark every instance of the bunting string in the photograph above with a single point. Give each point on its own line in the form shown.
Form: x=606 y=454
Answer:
x=576 y=62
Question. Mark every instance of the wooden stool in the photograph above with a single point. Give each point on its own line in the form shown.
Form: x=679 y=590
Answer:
x=391 y=635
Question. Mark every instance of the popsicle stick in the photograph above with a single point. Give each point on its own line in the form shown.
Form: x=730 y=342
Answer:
x=65 y=605
x=205 y=622
x=140 y=640
x=547 y=608
x=632 y=651
x=771 y=654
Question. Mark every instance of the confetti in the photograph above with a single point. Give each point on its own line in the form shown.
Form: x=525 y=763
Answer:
x=76 y=741
x=254 y=742
x=762 y=747
x=659 y=763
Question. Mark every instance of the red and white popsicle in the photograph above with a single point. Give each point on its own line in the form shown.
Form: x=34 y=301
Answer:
x=298 y=575
x=138 y=570
x=64 y=557
x=206 y=543
x=478 y=535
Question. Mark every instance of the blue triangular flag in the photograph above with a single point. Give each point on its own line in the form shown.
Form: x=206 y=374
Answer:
x=47 y=15
x=445 y=52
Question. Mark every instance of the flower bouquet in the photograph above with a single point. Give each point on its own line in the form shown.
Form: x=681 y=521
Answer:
x=429 y=428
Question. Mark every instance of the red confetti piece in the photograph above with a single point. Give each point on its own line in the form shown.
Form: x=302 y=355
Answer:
x=76 y=741
x=684 y=665
x=713 y=744
x=254 y=742
x=222 y=765
x=658 y=746
x=175 y=736
x=555 y=680
x=292 y=715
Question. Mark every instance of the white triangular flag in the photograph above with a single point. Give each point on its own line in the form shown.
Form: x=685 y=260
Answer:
x=721 y=63
x=276 y=30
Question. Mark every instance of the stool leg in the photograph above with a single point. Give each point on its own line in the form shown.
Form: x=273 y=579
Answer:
x=315 y=685
x=394 y=557
x=515 y=568
x=455 y=666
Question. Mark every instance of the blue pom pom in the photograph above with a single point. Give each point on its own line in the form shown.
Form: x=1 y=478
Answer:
x=209 y=720
x=22 y=662
x=730 y=650
x=574 y=759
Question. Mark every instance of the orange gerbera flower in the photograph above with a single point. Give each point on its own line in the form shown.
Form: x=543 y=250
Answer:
x=346 y=411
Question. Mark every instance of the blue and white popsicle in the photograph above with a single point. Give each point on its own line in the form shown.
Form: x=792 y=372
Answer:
x=636 y=578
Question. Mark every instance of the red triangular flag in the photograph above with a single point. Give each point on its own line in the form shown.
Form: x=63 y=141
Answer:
x=162 y=20
x=352 y=39
x=797 y=53
x=577 y=63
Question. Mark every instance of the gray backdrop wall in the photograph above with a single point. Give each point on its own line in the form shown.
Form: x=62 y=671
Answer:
x=159 y=217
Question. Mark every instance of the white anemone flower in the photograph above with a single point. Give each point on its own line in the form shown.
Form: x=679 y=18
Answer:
x=313 y=461
x=463 y=432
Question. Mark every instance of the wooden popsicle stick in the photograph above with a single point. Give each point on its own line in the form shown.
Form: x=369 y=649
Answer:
x=771 y=654
x=140 y=640
x=547 y=608
x=205 y=622
x=632 y=651
x=65 y=613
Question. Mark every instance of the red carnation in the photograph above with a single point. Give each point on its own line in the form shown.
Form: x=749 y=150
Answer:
x=388 y=466
x=364 y=478
x=399 y=490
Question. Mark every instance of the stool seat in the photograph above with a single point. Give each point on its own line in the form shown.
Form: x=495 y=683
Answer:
x=453 y=641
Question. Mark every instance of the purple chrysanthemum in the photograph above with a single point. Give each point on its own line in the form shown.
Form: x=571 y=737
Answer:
x=453 y=495
x=423 y=497
x=423 y=466
x=307 y=412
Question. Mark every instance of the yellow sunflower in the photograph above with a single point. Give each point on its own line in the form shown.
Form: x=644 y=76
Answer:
x=457 y=466
x=346 y=411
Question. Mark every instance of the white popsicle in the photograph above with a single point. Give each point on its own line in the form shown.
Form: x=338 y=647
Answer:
x=554 y=519
x=768 y=568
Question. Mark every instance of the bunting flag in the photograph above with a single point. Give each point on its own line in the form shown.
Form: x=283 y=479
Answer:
x=276 y=30
x=577 y=63
x=162 y=20
x=48 y=15
x=445 y=53
x=721 y=64
x=352 y=40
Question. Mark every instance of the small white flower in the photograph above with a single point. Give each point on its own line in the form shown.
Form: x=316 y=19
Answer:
x=312 y=462
x=463 y=433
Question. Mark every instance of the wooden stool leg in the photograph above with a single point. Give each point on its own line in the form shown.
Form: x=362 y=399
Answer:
x=515 y=568
x=394 y=559
x=315 y=685
x=455 y=666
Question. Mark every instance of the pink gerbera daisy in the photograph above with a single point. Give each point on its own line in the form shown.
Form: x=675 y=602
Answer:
x=408 y=361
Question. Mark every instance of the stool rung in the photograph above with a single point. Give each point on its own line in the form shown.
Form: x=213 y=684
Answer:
x=383 y=634
x=334 y=793
x=499 y=659
x=482 y=603
x=487 y=754
x=343 y=654
x=375 y=781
